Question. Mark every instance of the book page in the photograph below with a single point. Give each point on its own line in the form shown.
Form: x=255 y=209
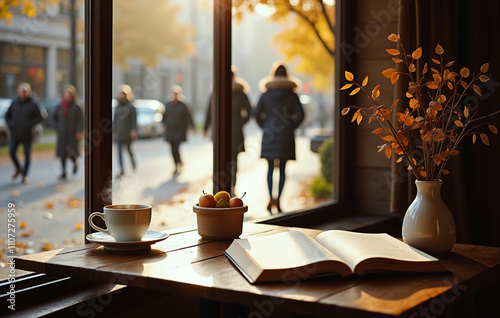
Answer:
x=355 y=247
x=286 y=250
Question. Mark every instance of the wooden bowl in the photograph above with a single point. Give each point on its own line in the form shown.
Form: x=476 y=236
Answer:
x=220 y=223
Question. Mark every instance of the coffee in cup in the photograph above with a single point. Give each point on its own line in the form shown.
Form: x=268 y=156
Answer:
x=124 y=222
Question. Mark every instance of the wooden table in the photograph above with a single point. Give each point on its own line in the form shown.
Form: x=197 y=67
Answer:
x=188 y=265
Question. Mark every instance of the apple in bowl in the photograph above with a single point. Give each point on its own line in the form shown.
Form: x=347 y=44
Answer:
x=222 y=220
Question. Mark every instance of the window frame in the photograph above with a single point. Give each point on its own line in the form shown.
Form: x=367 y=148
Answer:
x=98 y=90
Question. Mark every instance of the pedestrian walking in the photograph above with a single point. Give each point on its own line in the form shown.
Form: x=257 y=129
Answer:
x=241 y=110
x=68 y=122
x=278 y=112
x=125 y=125
x=176 y=120
x=21 y=118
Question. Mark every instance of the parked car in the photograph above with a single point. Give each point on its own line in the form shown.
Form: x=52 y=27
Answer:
x=149 y=117
x=4 y=130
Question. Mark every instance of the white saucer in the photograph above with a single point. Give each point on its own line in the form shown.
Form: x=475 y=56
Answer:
x=109 y=242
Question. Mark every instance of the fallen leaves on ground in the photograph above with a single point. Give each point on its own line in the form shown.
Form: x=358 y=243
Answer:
x=46 y=247
x=27 y=233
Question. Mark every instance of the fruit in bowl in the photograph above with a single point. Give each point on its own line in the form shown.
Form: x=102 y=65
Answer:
x=222 y=220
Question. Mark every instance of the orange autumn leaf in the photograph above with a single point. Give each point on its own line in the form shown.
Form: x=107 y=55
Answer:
x=74 y=203
x=49 y=205
x=388 y=138
x=432 y=85
x=476 y=89
x=413 y=103
x=485 y=139
x=376 y=91
x=346 y=86
x=485 y=67
x=394 y=78
x=78 y=226
x=389 y=72
x=354 y=91
x=493 y=129
x=378 y=131
x=365 y=81
x=439 y=49
x=388 y=152
x=464 y=72
x=484 y=78
x=22 y=224
x=393 y=51
x=349 y=76
x=417 y=54
x=393 y=37
x=47 y=247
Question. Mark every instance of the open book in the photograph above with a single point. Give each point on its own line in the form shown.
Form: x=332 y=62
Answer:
x=292 y=254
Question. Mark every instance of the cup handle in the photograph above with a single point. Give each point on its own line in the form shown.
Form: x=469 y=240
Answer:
x=95 y=227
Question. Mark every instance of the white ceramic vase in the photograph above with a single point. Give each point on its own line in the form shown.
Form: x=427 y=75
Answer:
x=428 y=224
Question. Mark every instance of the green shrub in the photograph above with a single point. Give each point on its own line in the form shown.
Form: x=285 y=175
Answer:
x=326 y=160
x=320 y=188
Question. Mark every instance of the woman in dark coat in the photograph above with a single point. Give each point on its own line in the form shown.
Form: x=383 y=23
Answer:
x=241 y=110
x=278 y=112
x=125 y=125
x=176 y=120
x=68 y=121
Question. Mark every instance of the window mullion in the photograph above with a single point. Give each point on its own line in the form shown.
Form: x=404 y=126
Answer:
x=221 y=98
x=98 y=89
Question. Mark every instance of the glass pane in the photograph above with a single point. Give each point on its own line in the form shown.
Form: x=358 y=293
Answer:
x=35 y=54
x=47 y=211
x=151 y=70
x=10 y=76
x=11 y=52
x=178 y=55
x=258 y=41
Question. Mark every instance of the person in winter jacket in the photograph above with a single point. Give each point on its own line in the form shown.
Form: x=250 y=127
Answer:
x=241 y=111
x=68 y=121
x=176 y=120
x=125 y=125
x=21 y=118
x=278 y=112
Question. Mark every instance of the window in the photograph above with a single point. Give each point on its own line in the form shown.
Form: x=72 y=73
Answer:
x=103 y=81
x=22 y=62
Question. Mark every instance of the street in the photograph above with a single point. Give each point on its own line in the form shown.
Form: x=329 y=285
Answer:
x=49 y=213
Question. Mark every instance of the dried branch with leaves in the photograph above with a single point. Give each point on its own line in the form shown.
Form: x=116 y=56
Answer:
x=427 y=131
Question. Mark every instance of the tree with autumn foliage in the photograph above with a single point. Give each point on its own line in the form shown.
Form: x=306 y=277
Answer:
x=309 y=35
x=30 y=8
x=149 y=30
x=434 y=119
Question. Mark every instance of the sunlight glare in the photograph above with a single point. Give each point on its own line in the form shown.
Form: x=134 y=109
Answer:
x=265 y=10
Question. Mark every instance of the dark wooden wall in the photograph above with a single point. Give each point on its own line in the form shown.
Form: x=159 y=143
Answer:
x=376 y=19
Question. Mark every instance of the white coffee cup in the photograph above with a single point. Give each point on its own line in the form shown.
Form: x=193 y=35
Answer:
x=124 y=222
